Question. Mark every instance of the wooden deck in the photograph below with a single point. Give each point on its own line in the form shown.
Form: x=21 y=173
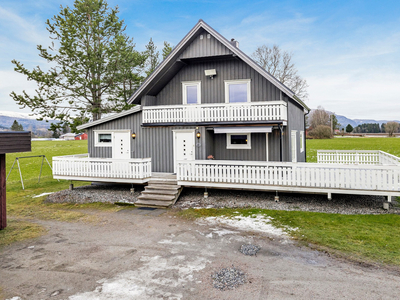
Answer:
x=357 y=172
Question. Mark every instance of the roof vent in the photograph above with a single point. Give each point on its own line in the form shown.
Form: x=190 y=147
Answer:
x=234 y=43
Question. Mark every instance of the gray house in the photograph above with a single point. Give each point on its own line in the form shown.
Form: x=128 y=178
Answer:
x=207 y=99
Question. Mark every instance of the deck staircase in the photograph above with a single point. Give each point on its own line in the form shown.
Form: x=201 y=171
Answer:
x=162 y=191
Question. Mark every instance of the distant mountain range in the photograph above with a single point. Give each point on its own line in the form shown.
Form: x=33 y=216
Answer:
x=28 y=122
x=355 y=122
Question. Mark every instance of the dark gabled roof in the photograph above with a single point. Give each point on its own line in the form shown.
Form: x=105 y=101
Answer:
x=171 y=65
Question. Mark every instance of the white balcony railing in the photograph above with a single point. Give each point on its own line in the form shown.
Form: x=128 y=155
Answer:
x=82 y=167
x=357 y=157
x=221 y=112
x=298 y=176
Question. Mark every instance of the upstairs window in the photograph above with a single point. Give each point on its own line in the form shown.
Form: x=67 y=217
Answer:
x=237 y=91
x=191 y=92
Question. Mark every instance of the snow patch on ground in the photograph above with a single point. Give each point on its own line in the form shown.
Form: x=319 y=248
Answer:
x=171 y=242
x=258 y=223
x=156 y=278
x=43 y=194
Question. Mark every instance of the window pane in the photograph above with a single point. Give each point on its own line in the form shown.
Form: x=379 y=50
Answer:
x=191 y=94
x=238 y=92
x=105 y=137
x=239 y=139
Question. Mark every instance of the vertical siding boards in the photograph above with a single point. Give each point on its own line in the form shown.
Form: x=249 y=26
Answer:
x=212 y=90
x=204 y=47
x=256 y=153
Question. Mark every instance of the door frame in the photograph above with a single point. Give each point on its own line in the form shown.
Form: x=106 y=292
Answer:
x=175 y=131
x=128 y=132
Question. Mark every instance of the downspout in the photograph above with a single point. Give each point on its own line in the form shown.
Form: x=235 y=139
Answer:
x=281 y=141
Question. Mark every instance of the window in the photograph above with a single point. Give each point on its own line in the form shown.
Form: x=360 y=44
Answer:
x=191 y=92
x=102 y=138
x=238 y=141
x=237 y=91
x=301 y=141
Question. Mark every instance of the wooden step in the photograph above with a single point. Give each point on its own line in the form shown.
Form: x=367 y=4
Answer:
x=162 y=181
x=163 y=192
x=162 y=187
x=157 y=197
x=153 y=203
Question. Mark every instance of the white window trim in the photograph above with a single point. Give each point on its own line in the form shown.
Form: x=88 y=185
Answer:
x=238 y=146
x=184 y=91
x=302 y=142
x=237 y=81
x=110 y=144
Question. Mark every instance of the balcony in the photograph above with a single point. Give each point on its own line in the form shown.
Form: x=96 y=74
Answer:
x=264 y=112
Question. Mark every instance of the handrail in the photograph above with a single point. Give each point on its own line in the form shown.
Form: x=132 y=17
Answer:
x=357 y=157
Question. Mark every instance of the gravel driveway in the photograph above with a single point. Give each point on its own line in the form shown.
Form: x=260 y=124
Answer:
x=151 y=254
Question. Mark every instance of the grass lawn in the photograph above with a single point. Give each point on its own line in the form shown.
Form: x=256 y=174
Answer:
x=389 y=145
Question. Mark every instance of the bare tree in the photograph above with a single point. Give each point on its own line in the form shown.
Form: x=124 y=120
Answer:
x=391 y=127
x=279 y=64
x=318 y=117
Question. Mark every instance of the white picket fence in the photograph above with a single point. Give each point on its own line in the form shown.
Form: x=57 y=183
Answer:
x=81 y=167
x=370 y=179
x=362 y=157
x=251 y=111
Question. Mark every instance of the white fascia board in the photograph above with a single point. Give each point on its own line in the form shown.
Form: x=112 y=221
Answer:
x=136 y=109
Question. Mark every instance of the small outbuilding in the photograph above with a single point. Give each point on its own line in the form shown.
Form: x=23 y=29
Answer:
x=10 y=142
x=81 y=136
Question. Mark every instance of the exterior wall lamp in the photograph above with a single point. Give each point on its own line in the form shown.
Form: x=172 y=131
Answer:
x=210 y=73
x=133 y=135
x=198 y=135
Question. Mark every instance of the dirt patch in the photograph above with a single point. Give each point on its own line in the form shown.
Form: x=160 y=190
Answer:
x=136 y=254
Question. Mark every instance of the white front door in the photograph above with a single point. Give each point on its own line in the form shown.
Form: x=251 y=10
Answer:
x=184 y=146
x=121 y=148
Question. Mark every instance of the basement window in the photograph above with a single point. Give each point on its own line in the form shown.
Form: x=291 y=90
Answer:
x=238 y=141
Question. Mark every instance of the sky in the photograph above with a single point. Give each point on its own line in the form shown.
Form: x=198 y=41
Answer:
x=348 y=51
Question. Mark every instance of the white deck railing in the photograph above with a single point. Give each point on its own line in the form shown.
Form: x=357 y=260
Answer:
x=284 y=174
x=82 y=166
x=224 y=112
x=361 y=157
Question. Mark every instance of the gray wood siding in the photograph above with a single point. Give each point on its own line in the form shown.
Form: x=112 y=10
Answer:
x=295 y=122
x=256 y=153
x=213 y=90
x=15 y=141
x=274 y=146
x=204 y=47
x=154 y=142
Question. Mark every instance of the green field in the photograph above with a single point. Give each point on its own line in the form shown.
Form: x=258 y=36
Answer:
x=389 y=145
x=368 y=238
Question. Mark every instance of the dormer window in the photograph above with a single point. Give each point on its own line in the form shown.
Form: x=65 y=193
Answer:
x=237 y=91
x=191 y=92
